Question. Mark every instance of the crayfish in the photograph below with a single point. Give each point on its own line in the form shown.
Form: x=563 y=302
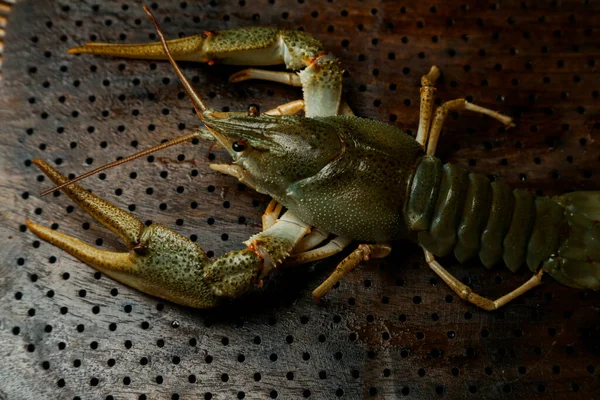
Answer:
x=339 y=177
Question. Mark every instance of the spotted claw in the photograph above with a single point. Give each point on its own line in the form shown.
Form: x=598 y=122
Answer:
x=165 y=264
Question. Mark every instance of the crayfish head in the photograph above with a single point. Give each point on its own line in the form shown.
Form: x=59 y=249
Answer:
x=275 y=152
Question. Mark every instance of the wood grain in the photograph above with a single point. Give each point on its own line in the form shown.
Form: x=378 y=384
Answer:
x=391 y=329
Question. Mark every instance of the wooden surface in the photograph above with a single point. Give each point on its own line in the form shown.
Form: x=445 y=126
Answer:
x=391 y=329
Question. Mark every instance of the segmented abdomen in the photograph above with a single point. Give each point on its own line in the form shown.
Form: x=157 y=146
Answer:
x=452 y=210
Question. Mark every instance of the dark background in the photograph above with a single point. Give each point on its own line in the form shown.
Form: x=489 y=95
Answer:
x=391 y=329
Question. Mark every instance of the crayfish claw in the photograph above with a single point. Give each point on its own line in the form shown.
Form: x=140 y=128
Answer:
x=119 y=221
x=165 y=264
x=160 y=262
x=271 y=214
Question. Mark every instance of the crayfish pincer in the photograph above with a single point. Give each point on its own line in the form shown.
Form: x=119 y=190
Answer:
x=341 y=179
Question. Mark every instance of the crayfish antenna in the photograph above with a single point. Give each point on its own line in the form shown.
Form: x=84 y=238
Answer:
x=132 y=157
x=199 y=105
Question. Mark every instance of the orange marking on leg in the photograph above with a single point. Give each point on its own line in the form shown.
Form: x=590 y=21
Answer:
x=210 y=33
x=211 y=62
x=312 y=60
x=255 y=250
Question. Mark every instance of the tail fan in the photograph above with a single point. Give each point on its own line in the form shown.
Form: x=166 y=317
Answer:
x=577 y=262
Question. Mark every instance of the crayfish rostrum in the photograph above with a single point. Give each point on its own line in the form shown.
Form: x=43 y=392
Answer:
x=339 y=177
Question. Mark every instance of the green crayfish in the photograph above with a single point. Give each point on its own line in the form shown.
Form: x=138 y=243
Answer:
x=341 y=178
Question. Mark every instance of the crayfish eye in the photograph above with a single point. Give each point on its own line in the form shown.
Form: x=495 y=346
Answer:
x=253 y=110
x=237 y=146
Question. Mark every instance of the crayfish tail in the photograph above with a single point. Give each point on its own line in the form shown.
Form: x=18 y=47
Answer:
x=452 y=210
x=577 y=261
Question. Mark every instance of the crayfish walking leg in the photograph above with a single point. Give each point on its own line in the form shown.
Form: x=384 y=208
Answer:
x=465 y=292
x=364 y=252
x=429 y=130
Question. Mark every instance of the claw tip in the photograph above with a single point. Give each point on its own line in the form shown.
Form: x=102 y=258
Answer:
x=31 y=225
x=41 y=164
x=239 y=76
x=147 y=11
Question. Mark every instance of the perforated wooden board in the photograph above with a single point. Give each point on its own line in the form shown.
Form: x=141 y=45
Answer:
x=391 y=329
